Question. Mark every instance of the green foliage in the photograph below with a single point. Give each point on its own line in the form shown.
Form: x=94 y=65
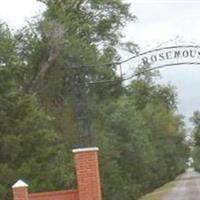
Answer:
x=70 y=34
x=29 y=147
x=195 y=155
x=195 y=119
x=142 y=144
x=137 y=128
x=6 y=44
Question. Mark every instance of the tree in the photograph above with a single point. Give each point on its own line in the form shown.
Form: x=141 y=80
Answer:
x=29 y=147
x=142 y=142
x=195 y=119
x=137 y=128
x=70 y=34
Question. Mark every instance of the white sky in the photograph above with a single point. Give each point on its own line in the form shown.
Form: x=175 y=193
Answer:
x=158 y=21
x=15 y=12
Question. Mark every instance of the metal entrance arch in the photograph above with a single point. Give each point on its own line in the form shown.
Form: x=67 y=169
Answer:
x=155 y=59
x=164 y=57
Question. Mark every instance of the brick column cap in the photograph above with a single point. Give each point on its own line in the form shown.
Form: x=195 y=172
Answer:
x=19 y=184
x=82 y=150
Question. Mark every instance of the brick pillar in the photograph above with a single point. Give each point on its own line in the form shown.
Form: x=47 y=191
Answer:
x=20 y=191
x=87 y=171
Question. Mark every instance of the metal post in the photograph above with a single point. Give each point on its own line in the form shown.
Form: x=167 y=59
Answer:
x=83 y=123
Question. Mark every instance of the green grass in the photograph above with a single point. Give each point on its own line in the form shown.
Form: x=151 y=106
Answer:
x=159 y=193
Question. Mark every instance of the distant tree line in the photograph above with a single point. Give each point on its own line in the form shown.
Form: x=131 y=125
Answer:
x=195 y=136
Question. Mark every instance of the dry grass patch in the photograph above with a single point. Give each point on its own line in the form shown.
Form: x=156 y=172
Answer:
x=159 y=193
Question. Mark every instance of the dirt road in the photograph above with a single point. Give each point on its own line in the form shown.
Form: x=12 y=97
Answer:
x=187 y=188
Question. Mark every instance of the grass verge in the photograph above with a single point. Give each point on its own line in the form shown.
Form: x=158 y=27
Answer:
x=159 y=193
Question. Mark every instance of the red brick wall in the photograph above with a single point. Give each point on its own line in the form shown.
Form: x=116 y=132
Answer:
x=20 y=193
x=88 y=179
x=87 y=171
x=60 y=195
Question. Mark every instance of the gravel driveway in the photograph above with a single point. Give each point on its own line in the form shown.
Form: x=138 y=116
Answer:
x=187 y=188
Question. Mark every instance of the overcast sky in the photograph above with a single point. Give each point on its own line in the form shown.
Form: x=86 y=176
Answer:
x=159 y=23
x=15 y=12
